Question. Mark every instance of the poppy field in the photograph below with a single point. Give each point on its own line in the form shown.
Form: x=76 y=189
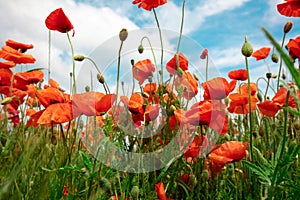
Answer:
x=177 y=135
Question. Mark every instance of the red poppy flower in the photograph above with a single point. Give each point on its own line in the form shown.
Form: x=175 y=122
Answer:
x=18 y=46
x=5 y=77
x=7 y=64
x=188 y=84
x=22 y=79
x=136 y=103
x=50 y=96
x=280 y=97
x=16 y=95
x=34 y=118
x=204 y=54
x=149 y=4
x=151 y=112
x=294 y=47
x=239 y=103
x=268 y=108
x=17 y=57
x=160 y=190
x=56 y=113
x=92 y=103
x=290 y=8
x=58 y=21
x=239 y=74
x=182 y=63
x=142 y=70
x=228 y=152
x=196 y=147
x=13 y=115
x=217 y=88
x=261 y=53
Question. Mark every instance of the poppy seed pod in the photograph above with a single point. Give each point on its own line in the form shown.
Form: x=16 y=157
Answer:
x=274 y=58
x=123 y=34
x=79 y=58
x=141 y=49
x=288 y=26
x=247 y=48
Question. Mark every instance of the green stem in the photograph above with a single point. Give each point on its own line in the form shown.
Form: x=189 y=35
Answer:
x=161 y=45
x=49 y=56
x=73 y=64
x=153 y=54
x=250 y=111
x=118 y=74
x=268 y=83
x=181 y=26
x=280 y=65
x=206 y=69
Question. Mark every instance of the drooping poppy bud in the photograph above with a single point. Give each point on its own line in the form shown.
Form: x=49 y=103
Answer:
x=123 y=34
x=288 y=26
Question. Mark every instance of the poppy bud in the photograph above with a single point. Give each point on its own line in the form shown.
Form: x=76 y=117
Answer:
x=274 y=76
x=6 y=100
x=123 y=34
x=259 y=96
x=87 y=88
x=283 y=76
x=204 y=54
x=132 y=62
x=196 y=76
x=288 y=26
x=297 y=125
x=192 y=181
x=274 y=58
x=261 y=130
x=79 y=58
x=141 y=49
x=247 y=48
x=100 y=78
x=269 y=75
x=205 y=174
x=173 y=108
x=135 y=191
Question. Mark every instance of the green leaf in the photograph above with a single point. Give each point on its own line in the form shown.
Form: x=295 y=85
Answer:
x=262 y=159
x=87 y=163
x=285 y=57
x=258 y=171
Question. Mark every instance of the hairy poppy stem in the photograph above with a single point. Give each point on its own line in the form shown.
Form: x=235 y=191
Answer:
x=49 y=56
x=161 y=45
x=181 y=26
x=206 y=69
x=250 y=109
x=118 y=73
x=153 y=54
x=280 y=62
x=73 y=65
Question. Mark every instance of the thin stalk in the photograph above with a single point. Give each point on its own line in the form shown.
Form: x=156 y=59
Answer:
x=153 y=54
x=280 y=64
x=73 y=64
x=268 y=83
x=161 y=45
x=250 y=111
x=118 y=73
x=181 y=26
x=49 y=56
x=206 y=69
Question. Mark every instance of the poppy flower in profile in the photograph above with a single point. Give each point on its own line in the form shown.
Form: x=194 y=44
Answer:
x=232 y=151
x=136 y=103
x=196 y=147
x=10 y=54
x=18 y=46
x=204 y=54
x=50 y=96
x=5 y=77
x=58 y=21
x=217 y=88
x=290 y=8
x=294 y=47
x=268 y=108
x=149 y=4
x=178 y=61
x=22 y=79
x=160 y=190
x=151 y=112
x=7 y=64
x=261 y=53
x=280 y=97
x=239 y=74
x=188 y=84
x=142 y=70
x=56 y=113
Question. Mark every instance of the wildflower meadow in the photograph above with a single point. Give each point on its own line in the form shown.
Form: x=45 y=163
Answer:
x=160 y=128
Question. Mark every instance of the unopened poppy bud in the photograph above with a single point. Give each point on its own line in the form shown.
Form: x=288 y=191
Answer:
x=261 y=131
x=87 y=88
x=227 y=101
x=100 y=78
x=288 y=26
x=274 y=76
x=132 y=62
x=123 y=34
x=205 y=174
x=259 y=96
x=269 y=75
x=274 y=58
x=192 y=181
x=173 y=108
x=141 y=49
x=135 y=191
x=283 y=76
x=79 y=58
x=247 y=48
x=297 y=125
x=196 y=76
x=6 y=100
x=71 y=74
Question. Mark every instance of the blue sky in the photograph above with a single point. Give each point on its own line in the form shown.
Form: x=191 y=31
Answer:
x=217 y=25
